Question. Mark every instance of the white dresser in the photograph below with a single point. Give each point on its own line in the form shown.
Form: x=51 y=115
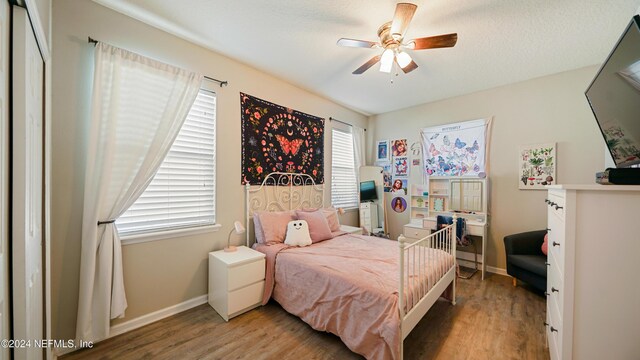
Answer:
x=236 y=281
x=593 y=291
x=369 y=216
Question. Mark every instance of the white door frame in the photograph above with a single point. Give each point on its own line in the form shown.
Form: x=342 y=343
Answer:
x=30 y=269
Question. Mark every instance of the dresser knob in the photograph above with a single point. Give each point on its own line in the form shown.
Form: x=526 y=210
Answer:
x=547 y=264
x=548 y=230
x=554 y=290
x=558 y=207
x=546 y=323
x=547 y=201
x=551 y=203
x=553 y=329
x=556 y=244
x=546 y=294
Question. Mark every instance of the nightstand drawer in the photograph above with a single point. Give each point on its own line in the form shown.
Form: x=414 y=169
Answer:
x=416 y=233
x=246 y=274
x=245 y=298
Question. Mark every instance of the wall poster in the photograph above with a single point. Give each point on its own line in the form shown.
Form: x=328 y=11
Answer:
x=537 y=166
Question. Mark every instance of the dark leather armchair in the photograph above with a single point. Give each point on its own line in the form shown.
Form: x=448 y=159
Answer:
x=525 y=259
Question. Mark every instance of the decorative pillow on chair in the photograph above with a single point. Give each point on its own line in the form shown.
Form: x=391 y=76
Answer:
x=318 y=225
x=545 y=244
x=298 y=233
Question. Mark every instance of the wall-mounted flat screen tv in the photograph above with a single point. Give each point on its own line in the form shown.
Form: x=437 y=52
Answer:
x=368 y=191
x=614 y=97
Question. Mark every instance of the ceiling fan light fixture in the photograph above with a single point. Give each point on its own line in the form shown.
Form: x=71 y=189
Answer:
x=386 y=61
x=403 y=59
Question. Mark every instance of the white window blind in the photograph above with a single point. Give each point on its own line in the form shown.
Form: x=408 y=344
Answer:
x=344 y=187
x=182 y=193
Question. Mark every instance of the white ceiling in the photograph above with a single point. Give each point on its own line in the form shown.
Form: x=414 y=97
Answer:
x=499 y=41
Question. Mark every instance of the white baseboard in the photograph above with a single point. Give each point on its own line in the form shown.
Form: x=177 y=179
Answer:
x=491 y=269
x=145 y=320
x=156 y=315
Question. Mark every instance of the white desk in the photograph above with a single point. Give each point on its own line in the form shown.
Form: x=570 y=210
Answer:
x=474 y=227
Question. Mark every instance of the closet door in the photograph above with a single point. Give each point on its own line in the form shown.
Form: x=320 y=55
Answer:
x=27 y=188
x=5 y=295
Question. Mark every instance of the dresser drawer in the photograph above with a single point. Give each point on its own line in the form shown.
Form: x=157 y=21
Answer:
x=245 y=274
x=416 y=233
x=554 y=337
x=556 y=242
x=556 y=203
x=555 y=290
x=245 y=298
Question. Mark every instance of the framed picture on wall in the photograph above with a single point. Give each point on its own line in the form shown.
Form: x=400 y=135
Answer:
x=537 y=166
x=383 y=150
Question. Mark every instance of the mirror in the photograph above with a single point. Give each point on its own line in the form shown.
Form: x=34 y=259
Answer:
x=466 y=195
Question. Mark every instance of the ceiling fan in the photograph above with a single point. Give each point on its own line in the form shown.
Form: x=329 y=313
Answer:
x=391 y=36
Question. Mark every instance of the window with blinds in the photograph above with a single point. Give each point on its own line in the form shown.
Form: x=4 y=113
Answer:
x=344 y=187
x=182 y=193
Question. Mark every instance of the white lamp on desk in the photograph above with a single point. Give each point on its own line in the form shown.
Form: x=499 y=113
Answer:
x=238 y=229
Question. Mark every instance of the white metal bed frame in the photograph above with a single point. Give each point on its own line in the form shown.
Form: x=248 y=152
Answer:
x=288 y=191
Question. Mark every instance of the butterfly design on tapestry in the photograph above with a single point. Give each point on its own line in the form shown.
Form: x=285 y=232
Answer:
x=473 y=148
x=460 y=144
x=289 y=146
x=433 y=151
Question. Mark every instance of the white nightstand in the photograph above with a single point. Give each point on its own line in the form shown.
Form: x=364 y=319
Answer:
x=236 y=281
x=351 y=229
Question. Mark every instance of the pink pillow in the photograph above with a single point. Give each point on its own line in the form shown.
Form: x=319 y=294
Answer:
x=332 y=218
x=318 y=225
x=545 y=244
x=331 y=215
x=274 y=225
x=257 y=228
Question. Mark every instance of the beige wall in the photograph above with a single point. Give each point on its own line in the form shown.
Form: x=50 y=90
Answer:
x=161 y=273
x=543 y=110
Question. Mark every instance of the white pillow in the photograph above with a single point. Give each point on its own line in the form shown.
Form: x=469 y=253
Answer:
x=297 y=233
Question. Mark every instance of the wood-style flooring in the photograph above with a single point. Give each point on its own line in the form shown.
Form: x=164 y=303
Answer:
x=491 y=320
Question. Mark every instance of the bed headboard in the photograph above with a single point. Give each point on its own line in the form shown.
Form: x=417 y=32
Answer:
x=280 y=192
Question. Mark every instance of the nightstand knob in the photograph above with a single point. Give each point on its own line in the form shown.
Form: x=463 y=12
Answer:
x=551 y=203
x=554 y=290
x=546 y=294
x=548 y=230
x=547 y=264
x=558 y=207
x=546 y=323
x=547 y=201
x=556 y=244
x=554 y=329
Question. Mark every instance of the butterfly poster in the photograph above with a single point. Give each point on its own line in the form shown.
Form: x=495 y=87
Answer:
x=455 y=149
x=276 y=138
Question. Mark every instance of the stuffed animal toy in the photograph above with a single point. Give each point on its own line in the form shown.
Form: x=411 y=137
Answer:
x=297 y=233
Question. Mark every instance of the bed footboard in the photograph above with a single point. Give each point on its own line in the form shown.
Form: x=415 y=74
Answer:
x=427 y=269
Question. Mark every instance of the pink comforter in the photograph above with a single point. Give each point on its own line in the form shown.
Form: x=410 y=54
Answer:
x=347 y=286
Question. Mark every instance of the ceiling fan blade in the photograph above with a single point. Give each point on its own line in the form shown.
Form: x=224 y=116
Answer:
x=367 y=65
x=409 y=68
x=356 y=43
x=432 y=42
x=402 y=18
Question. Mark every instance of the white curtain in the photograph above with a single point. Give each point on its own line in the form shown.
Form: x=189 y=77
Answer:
x=358 y=149
x=138 y=106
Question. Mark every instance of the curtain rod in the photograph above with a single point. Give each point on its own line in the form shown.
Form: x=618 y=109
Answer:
x=340 y=121
x=221 y=82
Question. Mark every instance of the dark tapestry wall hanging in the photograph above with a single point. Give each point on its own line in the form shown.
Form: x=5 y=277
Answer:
x=276 y=138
